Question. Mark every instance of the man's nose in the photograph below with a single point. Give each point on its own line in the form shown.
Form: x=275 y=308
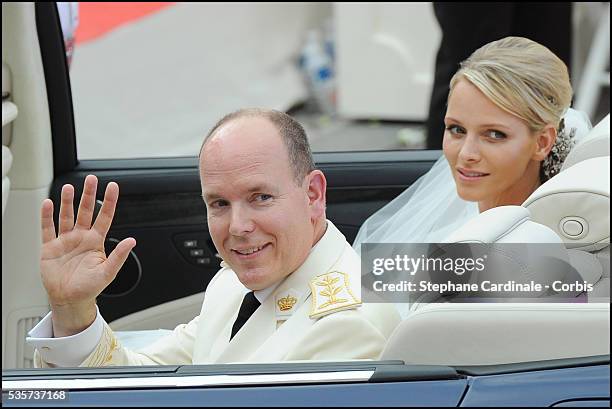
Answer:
x=470 y=149
x=241 y=221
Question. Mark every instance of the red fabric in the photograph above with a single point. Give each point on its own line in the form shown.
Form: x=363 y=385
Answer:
x=97 y=19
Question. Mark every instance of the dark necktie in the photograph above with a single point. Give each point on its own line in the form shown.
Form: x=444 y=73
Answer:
x=249 y=304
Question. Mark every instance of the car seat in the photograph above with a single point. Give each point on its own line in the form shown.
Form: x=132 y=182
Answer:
x=576 y=205
x=573 y=207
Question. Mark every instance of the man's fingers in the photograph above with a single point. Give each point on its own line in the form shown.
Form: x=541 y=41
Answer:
x=66 y=214
x=105 y=216
x=46 y=217
x=118 y=256
x=88 y=202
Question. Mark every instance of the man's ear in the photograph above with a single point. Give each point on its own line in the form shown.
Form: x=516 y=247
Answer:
x=317 y=187
x=545 y=140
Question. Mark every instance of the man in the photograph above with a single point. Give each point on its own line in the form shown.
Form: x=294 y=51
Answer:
x=266 y=215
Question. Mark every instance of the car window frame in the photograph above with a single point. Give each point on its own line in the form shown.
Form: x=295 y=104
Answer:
x=59 y=94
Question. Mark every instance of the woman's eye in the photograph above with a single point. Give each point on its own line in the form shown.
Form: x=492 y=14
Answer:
x=455 y=129
x=496 y=135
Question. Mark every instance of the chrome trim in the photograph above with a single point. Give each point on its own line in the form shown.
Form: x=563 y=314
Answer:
x=185 y=381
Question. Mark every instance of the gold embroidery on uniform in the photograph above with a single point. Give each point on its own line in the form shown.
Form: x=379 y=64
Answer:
x=96 y=358
x=332 y=285
x=330 y=291
x=348 y=287
x=286 y=303
x=103 y=354
x=114 y=346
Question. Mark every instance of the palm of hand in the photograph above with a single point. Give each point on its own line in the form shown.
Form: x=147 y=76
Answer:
x=73 y=266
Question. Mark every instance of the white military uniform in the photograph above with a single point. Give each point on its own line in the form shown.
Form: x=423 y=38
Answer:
x=314 y=314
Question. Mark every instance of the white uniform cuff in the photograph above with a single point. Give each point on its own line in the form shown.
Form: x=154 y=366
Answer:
x=65 y=351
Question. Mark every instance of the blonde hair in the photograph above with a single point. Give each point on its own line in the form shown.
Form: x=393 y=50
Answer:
x=521 y=77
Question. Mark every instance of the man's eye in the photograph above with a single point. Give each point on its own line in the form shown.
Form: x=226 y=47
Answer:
x=496 y=135
x=263 y=197
x=455 y=129
x=217 y=204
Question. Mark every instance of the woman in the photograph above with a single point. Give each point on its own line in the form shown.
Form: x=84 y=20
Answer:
x=505 y=134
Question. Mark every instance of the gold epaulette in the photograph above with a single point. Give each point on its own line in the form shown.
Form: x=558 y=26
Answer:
x=331 y=293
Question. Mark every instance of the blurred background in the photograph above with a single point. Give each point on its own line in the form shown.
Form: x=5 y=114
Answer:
x=150 y=79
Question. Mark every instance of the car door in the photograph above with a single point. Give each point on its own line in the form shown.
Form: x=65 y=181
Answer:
x=336 y=384
x=559 y=383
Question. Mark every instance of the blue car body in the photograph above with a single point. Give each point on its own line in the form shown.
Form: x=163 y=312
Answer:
x=568 y=383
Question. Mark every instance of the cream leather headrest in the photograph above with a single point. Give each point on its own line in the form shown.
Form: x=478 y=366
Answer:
x=504 y=224
x=595 y=144
x=542 y=257
x=576 y=204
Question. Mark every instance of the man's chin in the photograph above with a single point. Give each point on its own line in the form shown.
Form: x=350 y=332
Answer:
x=253 y=279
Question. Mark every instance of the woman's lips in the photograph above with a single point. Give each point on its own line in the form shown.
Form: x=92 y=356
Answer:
x=470 y=175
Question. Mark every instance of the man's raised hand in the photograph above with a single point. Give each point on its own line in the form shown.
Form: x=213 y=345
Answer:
x=73 y=264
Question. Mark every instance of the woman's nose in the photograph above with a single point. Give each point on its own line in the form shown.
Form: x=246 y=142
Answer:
x=470 y=150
